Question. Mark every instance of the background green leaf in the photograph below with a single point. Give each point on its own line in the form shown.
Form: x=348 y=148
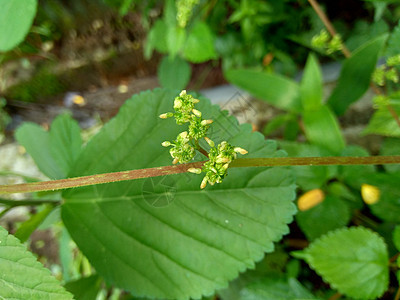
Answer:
x=174 y=73
x=198 y=239
x=272 y=88
x=54 y=152
x=352 y=260
x=273 y=288
x=322 y=128
x=199 y=46
x=22 y=276
x=26 y=228
x=383 y=123
x=85 y=288
x=355 y=75
x=334 y=212
x=311 y=85
x=16 y=18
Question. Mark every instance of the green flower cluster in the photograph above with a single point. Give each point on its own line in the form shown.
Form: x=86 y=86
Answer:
x=184 y=11
x=324 y=42
x=219 y=159
x=183 y=148
x=187 y=142
x=387 y=71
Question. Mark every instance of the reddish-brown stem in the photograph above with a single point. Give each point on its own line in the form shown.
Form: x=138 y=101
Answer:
x=394 y=114
x=176 y=169
x=328 y=25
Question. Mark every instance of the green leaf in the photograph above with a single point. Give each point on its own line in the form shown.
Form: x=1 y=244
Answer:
x=199 y=46
x=396 y=237
x=156 y=39
x=273 y=288
x=355 y=76
x=331 y=214
x=352 y=260
x=36 y=141
x=54 y=152
x=65 y=141
x=85 y=288
x=29 y=226
x=311 y=85
x=393 y=44
x=383 y=123
x=174 y=73
x=16 y=18
x=164 y=237
x=176 y=37
x=272 y=88
x=22 y=276
x=321 y=128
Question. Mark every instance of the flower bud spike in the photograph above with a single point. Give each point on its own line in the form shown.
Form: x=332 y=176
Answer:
x=166 y=144
x=209 y=141
x=194 y=170
x=240 y=150
x=196 y=112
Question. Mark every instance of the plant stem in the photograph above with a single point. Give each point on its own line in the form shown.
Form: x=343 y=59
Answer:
x=177 y=169
x=14 y=203
x=328 y=24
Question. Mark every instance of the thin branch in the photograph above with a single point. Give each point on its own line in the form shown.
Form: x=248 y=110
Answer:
x=328 y=25
x=177 y=169
x=14 y=203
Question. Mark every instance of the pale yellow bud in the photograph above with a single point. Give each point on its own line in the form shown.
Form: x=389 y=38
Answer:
x=223 y=145
x=177 y=103
x=310 y=199
x=194 y=170
x=164 y=116
x=183 y=93
x=225 y=166
x=196 y=112
x=175 y=161
x=209 y=141
x=195 y=101
x=240 y=150
x=203 y=182
x=370 y=194
x=221 y=160
x=206 y=122
x=166 y=144
x=183 y=134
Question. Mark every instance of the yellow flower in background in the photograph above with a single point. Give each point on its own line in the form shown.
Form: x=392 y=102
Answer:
x=310 y=199
x=370 y=194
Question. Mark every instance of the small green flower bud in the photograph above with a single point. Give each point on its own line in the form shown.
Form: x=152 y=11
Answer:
x=177 y=103
x=196 y=113
x=221 y=160
x=194 y=170
x=166 y=115
x=166 y=144
x=206 y=122
x=183 y=93
x=204 y=182
x=209 y=141
x=175 y=161
x=194 y=101
x=240 y=150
